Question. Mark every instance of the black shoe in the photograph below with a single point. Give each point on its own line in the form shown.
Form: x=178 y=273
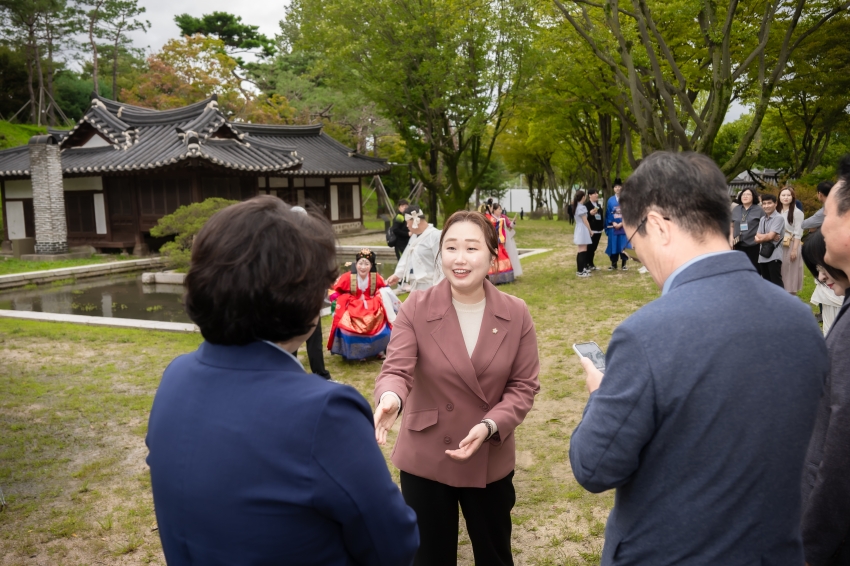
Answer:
x=625 y=268
x=612 y=267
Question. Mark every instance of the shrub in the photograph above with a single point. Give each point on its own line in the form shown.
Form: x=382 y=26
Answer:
x=185 y=223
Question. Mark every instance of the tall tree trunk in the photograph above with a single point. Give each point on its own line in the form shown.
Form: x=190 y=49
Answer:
x=115 y=68
x=40 y=83
x=432 y=192
x=51 y=116
x=30 y=50
x=94 y=53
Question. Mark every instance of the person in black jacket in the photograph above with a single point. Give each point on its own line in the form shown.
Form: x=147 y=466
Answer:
x=826 y=481
x=596 y=219
x=399 y=228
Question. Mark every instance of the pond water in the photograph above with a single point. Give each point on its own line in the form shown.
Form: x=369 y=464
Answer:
x=120 y=296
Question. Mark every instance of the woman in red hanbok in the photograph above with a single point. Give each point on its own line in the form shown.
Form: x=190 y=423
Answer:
x=361 y=328
x=502 y=270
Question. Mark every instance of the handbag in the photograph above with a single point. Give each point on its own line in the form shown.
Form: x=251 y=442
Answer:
x=767 y=249
x=786 y=241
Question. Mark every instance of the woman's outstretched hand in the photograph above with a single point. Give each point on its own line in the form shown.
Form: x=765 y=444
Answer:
x=470 y=444
x=385 y=415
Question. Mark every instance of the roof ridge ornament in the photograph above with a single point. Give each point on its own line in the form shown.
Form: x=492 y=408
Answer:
x=212 y=105
x=193 y=142
x=97 y=103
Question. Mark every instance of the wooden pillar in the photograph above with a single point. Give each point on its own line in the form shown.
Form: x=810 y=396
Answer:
x=6 y=244
x=140 y=248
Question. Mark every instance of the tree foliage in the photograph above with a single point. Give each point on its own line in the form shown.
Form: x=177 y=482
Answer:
x=187 y=70
x=678 y=80
x=443 y=72
x=184 y=224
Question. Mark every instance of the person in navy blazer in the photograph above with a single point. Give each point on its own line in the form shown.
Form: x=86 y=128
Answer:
x=253 y=460
x=703 y=416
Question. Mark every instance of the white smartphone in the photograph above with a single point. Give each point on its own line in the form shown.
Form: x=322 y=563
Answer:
x=593 y=351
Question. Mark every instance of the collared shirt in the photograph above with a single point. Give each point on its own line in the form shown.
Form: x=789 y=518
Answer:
x=687 y=264
x=776 y=224
x=273 y=345
x=746 y=216
x=814 y=221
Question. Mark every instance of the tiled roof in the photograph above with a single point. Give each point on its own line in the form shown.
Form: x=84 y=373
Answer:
x=322 y=155
x=145 y=139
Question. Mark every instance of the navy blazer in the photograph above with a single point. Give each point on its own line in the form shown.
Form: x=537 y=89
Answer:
x=702 y=422
x=253 y=461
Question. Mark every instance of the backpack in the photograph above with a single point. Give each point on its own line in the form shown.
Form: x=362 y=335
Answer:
x=391 y=237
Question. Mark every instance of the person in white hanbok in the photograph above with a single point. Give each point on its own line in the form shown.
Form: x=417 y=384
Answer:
x=418 y=267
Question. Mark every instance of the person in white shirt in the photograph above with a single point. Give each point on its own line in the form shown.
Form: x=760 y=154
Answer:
x=792 y=259
x=417 y=268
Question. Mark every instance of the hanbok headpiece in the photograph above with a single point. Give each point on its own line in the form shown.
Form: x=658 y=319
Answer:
x=366 y=253
x=617 y=181
x=414 y=212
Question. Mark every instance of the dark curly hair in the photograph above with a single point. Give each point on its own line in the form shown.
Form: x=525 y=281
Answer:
x=260 y=271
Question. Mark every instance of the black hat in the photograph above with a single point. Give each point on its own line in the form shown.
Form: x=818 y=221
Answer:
x=617 y=181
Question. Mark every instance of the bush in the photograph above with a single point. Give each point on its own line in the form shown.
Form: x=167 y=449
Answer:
x=185 y=223
x=806 y=193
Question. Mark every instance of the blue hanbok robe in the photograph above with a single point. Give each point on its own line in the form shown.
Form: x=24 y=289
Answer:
x=617 y=239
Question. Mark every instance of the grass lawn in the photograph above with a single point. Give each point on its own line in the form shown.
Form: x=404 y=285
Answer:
x=9 y=265
x=74 y=403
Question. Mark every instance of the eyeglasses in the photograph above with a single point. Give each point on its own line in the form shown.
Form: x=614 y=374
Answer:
x=642 y=222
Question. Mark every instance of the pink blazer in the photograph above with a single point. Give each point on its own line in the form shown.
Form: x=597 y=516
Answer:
x=444 y=393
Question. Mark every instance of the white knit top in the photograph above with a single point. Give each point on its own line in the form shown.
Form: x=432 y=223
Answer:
x=470 y=317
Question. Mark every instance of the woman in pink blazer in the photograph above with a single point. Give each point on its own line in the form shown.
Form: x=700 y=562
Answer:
x=462 y=364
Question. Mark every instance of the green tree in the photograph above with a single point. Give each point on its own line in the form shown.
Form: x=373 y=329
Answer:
x=237 y=37
x=187 y=70
x=443 y=72
x=120 y=18
x=809 y=105
x=678 y=81
x=23 y=21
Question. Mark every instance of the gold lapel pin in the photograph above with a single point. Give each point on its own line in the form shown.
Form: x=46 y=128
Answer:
x=495 y=330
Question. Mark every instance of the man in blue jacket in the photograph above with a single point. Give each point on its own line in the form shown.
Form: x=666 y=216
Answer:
x=708 y=400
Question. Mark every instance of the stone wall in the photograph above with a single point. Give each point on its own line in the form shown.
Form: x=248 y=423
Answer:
x=344 y=227
x=51 y=232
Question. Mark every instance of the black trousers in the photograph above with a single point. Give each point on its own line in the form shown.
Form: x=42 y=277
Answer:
x=772 y=271
x=591 y=249
x=399 y=248
x=621 y=256
x=752 y=253
x=488 y=520
x=316 y=352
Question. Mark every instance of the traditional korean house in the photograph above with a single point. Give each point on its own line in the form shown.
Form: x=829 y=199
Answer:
x=108 y=180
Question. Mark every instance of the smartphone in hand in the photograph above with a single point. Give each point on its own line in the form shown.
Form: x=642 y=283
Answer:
x=592 y=351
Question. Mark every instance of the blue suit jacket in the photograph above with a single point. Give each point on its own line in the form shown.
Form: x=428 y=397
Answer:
x=702 y=422
x=254 y=461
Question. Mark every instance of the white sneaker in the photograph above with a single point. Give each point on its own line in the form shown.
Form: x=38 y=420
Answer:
x=582 y=274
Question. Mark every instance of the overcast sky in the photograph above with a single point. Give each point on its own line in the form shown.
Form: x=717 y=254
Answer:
x=160 y=13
